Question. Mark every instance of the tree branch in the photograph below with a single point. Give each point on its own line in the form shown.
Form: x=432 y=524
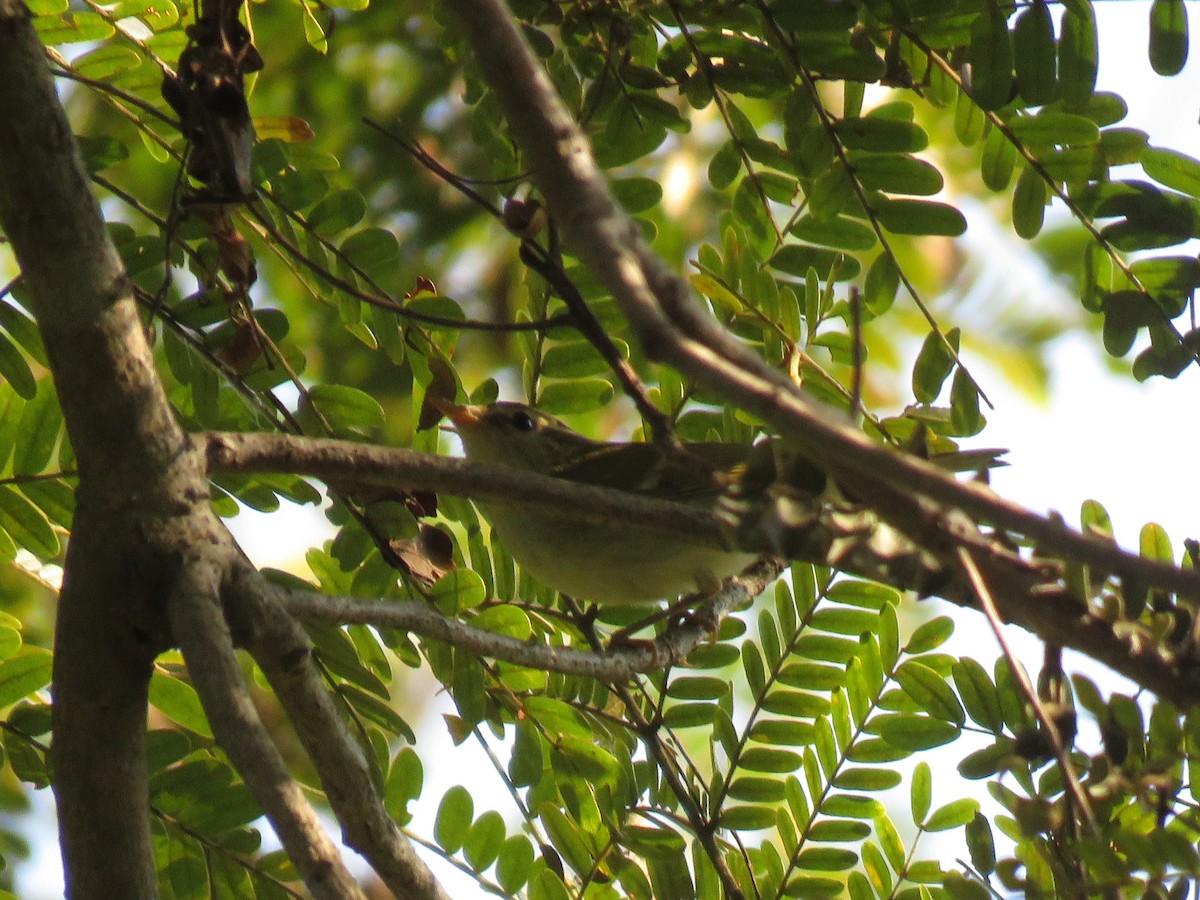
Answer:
x=344 y=462
x=204 y=637
x=282 y=650
x=615 y=665
x=673 y=328
x=135 y=489
x=850 y=538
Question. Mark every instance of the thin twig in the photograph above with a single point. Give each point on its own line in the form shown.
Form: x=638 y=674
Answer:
x=612 y=665
x=1061 y=753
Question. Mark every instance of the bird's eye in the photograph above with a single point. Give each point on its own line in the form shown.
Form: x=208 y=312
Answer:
x=522 y=421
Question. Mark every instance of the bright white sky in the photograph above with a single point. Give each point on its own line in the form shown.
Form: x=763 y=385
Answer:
x=1100 y=436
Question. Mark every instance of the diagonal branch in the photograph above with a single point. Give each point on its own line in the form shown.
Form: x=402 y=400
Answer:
x=204 y=637
x=284 y=653
x=674 y=329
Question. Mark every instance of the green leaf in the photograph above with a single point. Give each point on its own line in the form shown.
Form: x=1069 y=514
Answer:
x=970 y=122
x=583 y=758
x=753 y=788
x=866 y=779
x=853 y=806
x=896 y=173
x=1029 y=204
x=15 y=370
x=515 y=863
x=22 y=675
x=1050 y=127
x=699 y=687
x=749 y=209
x=919 y=217
x=930 y=692
x=752 y=665
x=965 y=417
x=348 y=411
x=1124 y=313
x=909 y=732
x=795 y=704
x=484 y=841
x=881 y=284
x=157 y=14
x=41 y=422
x=10 y=639
x=1176 y=170
x=822 y=648
x=854 y=622
x=1154 y=543
x=404 y=781
x=690 y=715
x=981 y=845
x=101 y=152
x=952 y=815
x=636 y=194
x=1078 y=54
x=723 y=167
x=999 y=160
x=581 y=395
x=297 y=190
x=628 y=134
x=374 y=250
x=782 y=732
x=933 y=365
x=576 y=359
x=565 y=836
x=827 y=859
x=839 y=232
x=26 y=524
x=837 y=831
x=1034 y=54
x=930 y=635
x=24 y=330
x=978 y=693
x=797 y=259
x=991 y=58
x=747 y=818
x=1168 y=36
x=770 y=760
x=881 y=134
x=505 y=619
x=458 y=590
x=453 y=820
x=177 y=700
x=72 y=28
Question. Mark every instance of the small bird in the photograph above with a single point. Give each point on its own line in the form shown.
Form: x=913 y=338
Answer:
x=617 y=562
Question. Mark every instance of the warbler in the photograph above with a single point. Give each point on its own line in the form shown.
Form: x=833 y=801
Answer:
x=616 y=562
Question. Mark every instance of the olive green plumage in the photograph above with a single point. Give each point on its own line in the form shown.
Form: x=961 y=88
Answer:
x=613 y=563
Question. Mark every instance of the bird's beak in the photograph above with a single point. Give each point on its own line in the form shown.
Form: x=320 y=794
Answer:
x=461 y=416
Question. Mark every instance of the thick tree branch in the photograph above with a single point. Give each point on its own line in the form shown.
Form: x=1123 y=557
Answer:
x=284 y=653
x=198 y=620
x=135 y=488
